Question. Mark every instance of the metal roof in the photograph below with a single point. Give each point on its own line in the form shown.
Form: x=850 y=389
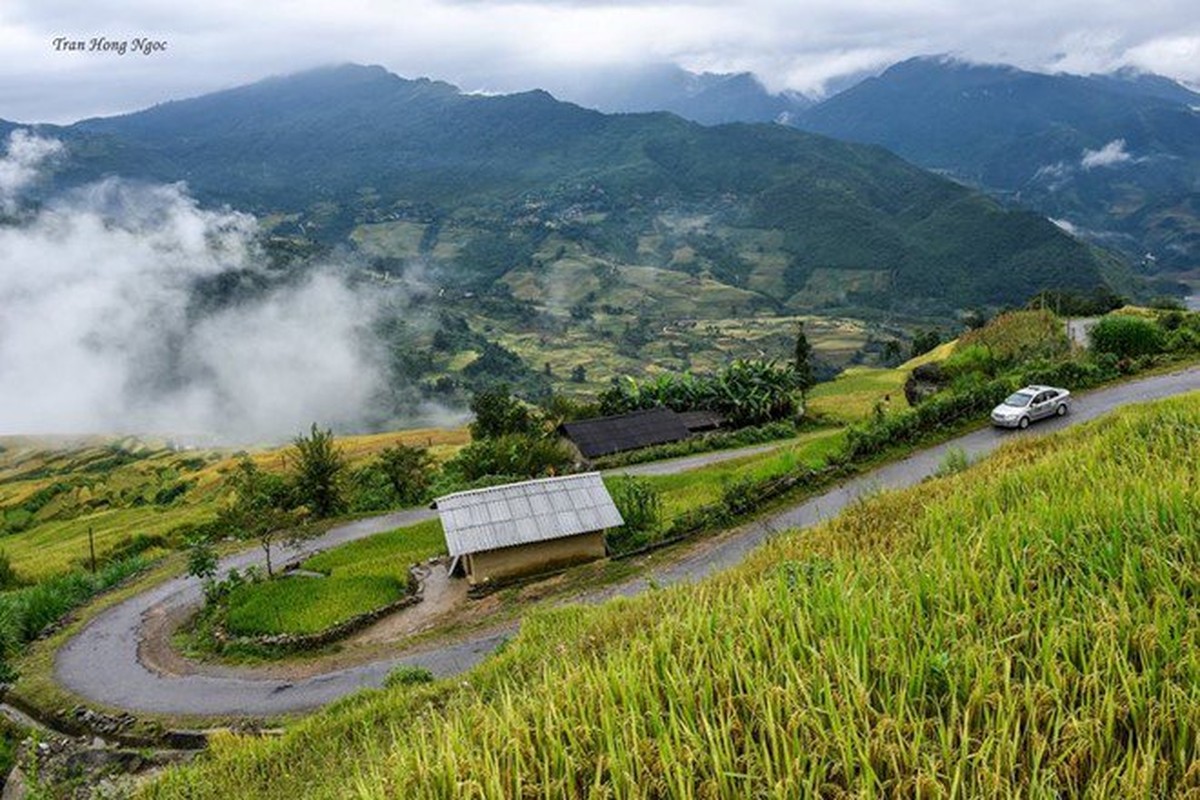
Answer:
x=602 y=436
x=521 y=513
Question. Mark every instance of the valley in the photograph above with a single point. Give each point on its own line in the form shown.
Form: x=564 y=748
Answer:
x=482 y=444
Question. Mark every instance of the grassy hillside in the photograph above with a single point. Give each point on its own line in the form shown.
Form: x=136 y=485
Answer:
x=852 y=395
x=53 y=491
x=1026 y=628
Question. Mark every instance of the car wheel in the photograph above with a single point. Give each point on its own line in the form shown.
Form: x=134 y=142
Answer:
x=1061 y=410
x=1024 y=423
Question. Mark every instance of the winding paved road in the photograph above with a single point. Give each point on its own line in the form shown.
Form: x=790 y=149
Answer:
x=102 y=665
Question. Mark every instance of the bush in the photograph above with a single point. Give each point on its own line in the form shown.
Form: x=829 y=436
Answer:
x=512 y=454
x=744 y=393
x=971 y=358
x=1018 y=336
x=1183 y=340
x=407 y=675
x=1075 y=373
x=641 y=507
x=739 y=496
x=8 y=576
x=1127 y=336
x=955 y=461
x=135 y=545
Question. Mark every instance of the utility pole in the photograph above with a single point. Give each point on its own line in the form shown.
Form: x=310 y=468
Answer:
x=92 y=547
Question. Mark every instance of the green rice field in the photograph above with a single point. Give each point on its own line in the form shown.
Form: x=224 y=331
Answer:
x=359 y=577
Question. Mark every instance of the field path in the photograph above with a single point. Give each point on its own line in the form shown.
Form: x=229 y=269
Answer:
x=101 y=663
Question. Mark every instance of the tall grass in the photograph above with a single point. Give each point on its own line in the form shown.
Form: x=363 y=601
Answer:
x=26 y=612
x=1025 y=628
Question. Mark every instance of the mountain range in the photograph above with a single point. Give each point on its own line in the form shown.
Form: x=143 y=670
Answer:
x=705 y=97
x=1115 y=158
x=790 y=219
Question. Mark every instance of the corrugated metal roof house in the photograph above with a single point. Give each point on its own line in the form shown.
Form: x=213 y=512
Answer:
x=525 y=528
x=603 y=436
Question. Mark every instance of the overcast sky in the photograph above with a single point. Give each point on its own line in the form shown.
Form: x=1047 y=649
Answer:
x=493 y=45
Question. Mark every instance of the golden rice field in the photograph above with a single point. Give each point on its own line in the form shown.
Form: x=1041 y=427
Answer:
x=1028 y=627
x=112 y=485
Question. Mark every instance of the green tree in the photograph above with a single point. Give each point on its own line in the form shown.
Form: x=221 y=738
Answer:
x=498 y=413
x=805 y=377
x=202 y=559
x=257 y=509
x=408 y=470
x=318 y=468
x=579 y=374
x=925 y=341
x=891 y=353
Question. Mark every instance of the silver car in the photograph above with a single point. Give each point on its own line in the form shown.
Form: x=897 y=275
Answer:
x=1030 y=404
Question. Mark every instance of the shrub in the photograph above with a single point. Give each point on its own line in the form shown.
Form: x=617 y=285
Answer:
x=408 y=469
x=740 y=496
x=641 y=507
x=971 y=358
x=1019 y=336
x=512 y=454
x=407 y=675
x=8 y=576
x=1126 y=336
x=136 y=545
x=26 y=612
x=955 y=461
x=1183 y=340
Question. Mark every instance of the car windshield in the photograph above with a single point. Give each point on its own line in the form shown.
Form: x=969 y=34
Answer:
x=1019 y=400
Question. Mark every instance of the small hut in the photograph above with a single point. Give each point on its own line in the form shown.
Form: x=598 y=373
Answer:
x=505 y=532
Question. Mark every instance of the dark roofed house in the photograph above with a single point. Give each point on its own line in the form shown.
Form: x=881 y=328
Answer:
x=701 y=421
x=527 y=528
x=603 y=436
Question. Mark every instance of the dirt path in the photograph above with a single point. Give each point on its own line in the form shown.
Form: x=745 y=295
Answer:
x=102 y=665
x=442 y=598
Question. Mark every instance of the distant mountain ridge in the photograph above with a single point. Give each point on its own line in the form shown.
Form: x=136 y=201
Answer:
x=1116 y=157
x=706 y=97
x=493 y=187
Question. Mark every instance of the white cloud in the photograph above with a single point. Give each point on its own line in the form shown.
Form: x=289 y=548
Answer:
x=503 y=45
x=21 y=164
x=1110 y=155
x=100 y=330
x=1065 y=225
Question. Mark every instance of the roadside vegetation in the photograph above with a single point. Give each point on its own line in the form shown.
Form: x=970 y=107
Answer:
x=1020 y=348
x=921 y=644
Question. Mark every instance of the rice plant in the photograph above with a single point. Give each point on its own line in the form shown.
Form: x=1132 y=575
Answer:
x=1026 y=628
